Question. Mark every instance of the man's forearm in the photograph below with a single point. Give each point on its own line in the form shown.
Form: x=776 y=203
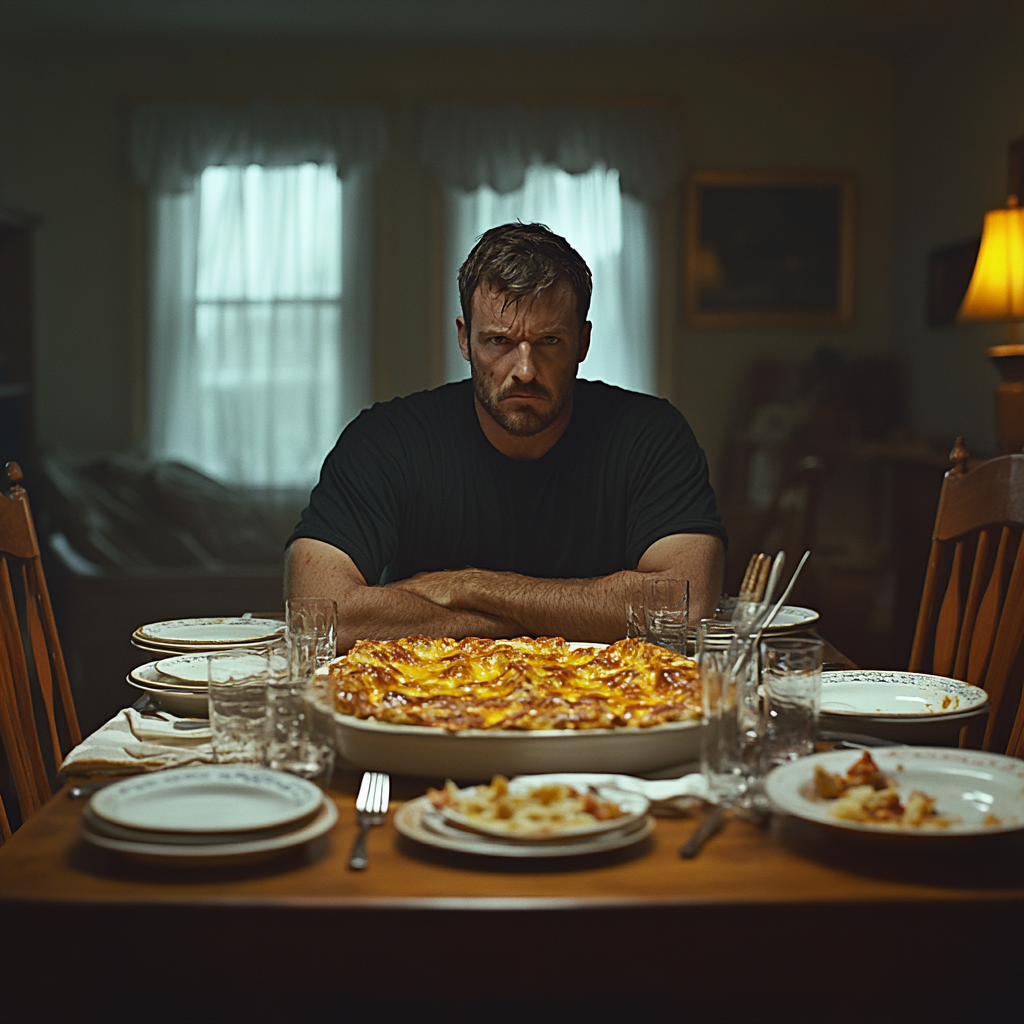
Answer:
x=578 y=609
x=316 y=569
x=591 y=609
x=387 y=613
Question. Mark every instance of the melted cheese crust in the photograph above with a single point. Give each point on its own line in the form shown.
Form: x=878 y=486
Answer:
x=514 y=684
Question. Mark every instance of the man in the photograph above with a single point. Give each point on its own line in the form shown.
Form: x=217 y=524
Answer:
x=522 y=502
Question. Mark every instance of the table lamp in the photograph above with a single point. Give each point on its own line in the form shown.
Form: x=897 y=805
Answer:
x=996 y=292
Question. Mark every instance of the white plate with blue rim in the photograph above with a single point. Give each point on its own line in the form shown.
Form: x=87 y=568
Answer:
x=879 y=693
x=194 y=668
x=222 y=630
x=244 y=850
x=208 y=798
x=792 y=617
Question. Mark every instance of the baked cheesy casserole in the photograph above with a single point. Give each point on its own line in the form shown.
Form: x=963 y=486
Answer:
x=514 y=684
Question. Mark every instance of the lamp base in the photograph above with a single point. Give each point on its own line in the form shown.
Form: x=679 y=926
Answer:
x=1009 y=360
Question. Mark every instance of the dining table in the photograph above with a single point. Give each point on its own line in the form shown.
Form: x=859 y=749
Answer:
x=775 y=920
x=780 y=922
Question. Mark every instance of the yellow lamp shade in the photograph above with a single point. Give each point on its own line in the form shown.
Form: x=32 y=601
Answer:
x=996 y=291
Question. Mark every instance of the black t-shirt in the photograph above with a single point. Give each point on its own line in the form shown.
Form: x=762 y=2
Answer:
x=413 y=485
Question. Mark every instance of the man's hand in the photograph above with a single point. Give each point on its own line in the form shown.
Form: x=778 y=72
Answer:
x=449 y=588
x=591 y=609
x=316 y=569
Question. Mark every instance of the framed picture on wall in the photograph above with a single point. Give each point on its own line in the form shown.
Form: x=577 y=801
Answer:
x=770 y=249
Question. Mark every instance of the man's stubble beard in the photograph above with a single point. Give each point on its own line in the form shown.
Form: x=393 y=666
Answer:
x=525 y=422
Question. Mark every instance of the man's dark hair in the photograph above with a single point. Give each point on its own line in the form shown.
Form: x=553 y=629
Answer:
x=524 y=259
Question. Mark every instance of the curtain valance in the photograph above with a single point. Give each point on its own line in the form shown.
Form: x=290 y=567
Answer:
x=172 y=144
x=468 y=147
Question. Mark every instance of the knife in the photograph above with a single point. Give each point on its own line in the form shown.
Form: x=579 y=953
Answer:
x=707 y=828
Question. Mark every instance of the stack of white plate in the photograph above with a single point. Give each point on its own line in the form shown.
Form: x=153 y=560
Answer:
x=905 y=707
x=183 y=636
x=177 y=684
x=440 y=827
x=213 y=814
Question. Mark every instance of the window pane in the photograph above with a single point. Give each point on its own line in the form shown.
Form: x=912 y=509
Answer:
x=247 y=376
x=269 y=233
x=611 y=231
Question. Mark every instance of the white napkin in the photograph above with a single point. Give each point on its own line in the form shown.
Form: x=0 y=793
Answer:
x=667 y=796
x=129 y=743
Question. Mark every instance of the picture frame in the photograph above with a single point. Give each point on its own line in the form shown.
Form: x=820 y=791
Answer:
x=770 y=249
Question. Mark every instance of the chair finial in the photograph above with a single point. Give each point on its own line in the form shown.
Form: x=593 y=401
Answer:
x=959 y=456
x=14 y=474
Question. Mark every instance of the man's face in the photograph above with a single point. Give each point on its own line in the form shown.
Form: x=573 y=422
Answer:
x=524 y=355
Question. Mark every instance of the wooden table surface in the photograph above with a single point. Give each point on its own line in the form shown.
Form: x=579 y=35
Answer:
x=605 y=937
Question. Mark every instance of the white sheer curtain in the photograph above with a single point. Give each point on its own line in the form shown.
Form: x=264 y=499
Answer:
x=613 y=232
x=259 y=333
x=591 y=175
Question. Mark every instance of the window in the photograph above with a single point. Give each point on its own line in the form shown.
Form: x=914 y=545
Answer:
x=610 y=229
x=256 y=398
x=260 y=290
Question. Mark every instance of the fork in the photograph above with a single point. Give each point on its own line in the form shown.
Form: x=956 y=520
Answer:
x=371 y=809
x=751 y=592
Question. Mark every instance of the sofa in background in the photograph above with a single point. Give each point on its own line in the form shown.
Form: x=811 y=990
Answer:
x=130 y=540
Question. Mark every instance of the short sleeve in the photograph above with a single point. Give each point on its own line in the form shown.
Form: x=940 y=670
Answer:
x=355 y=505
x=669 y=489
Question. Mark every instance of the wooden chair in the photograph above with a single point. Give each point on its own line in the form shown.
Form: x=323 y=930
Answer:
x=971 y=621
x=30 y=651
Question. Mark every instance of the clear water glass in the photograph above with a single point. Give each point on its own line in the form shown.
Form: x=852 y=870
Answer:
x=667 y=611
x=636 y=622
x=723 y=753
x=316 y=616
x=791 y=683
x=295 y=743
x=238 y=705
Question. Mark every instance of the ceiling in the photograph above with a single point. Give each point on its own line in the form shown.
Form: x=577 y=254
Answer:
x=881 y=22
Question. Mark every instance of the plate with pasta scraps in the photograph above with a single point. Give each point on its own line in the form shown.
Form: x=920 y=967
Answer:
x=524 y=810
x=910 y=791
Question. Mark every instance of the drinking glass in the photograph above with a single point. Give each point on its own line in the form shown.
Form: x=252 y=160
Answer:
x=723 y=753
x=791 y=681
x=636 y=622
x=667 y=611
x=295 y=742
x=238 y=705
x=316 y=617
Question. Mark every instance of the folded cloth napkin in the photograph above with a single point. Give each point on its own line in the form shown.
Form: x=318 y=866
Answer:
x=129 y=743
x=667 y=796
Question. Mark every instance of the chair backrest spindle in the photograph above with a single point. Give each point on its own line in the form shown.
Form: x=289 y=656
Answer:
x=971 y=621
x=31 y=661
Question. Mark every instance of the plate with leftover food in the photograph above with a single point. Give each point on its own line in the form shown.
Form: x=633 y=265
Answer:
x=419 y=820
x=927 y=792
x=526 y=810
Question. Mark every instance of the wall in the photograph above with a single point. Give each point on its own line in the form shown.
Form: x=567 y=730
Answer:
x=63 y=120
x=960 y=101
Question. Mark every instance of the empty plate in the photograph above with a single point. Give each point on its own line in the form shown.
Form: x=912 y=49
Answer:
x=193 y=668
x=880 y=693
x=210 y=630
x=209 y=798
